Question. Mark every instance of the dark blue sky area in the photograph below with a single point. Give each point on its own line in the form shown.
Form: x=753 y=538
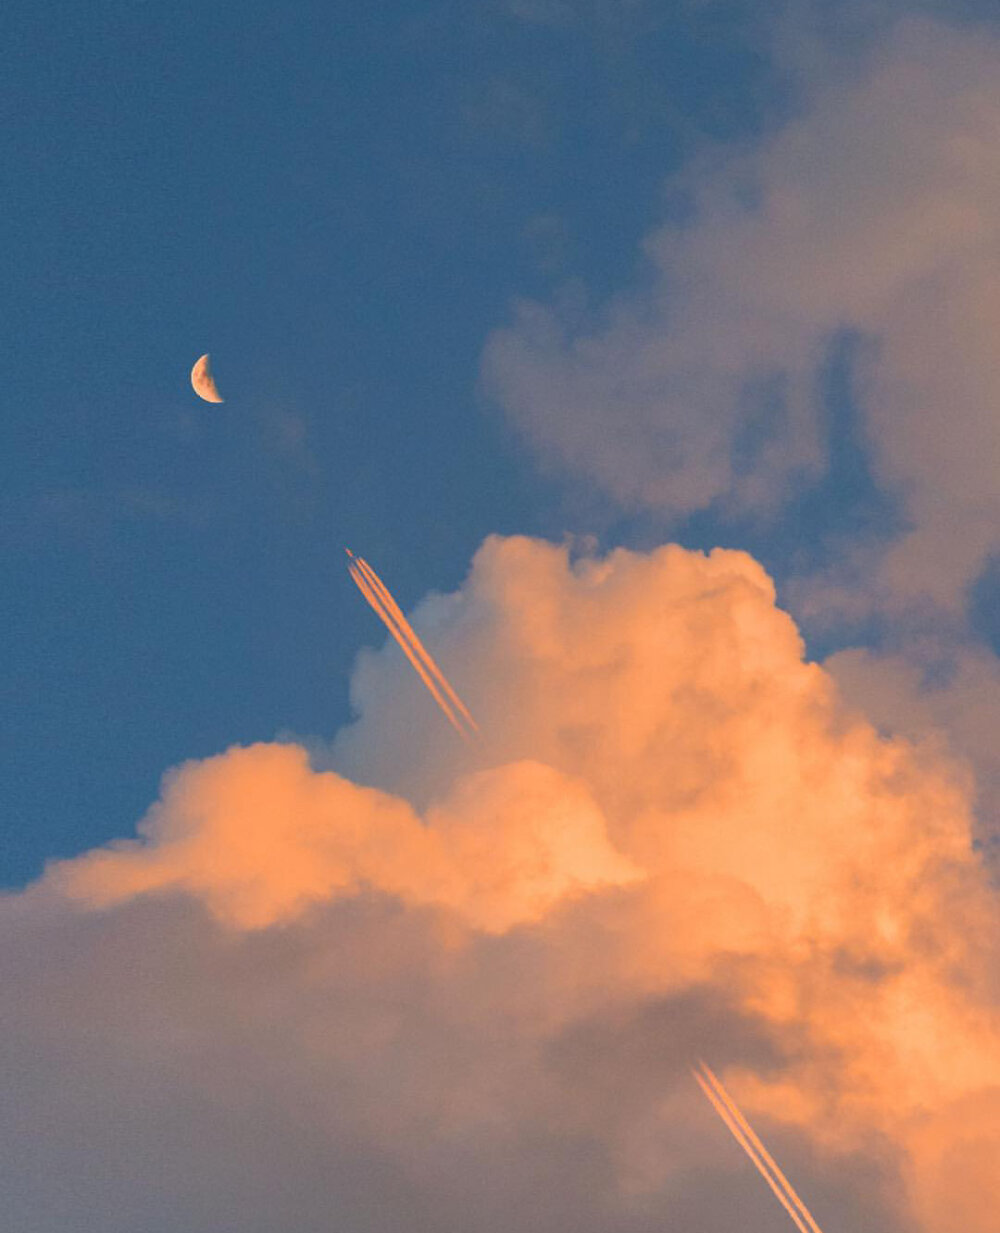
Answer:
x=339 y=203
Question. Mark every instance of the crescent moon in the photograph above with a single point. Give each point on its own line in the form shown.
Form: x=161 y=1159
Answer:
x=202 y=382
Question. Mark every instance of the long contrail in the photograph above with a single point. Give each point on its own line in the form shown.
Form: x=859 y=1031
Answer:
x=378 y=596
x=747 y=1138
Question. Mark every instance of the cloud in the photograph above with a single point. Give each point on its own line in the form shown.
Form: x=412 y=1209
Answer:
x=935 y=692
x=451 y=981
x=259 y=837
x=874 y=210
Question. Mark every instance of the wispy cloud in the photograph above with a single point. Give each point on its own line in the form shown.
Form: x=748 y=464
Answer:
x=875 y=209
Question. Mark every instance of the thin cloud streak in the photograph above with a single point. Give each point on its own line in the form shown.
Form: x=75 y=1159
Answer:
x=382 y=602
x=747 y=1138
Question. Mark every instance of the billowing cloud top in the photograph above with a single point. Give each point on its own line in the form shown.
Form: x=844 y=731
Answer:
x=429 y=980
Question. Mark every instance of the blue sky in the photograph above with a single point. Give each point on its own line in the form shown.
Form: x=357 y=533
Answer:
x=339 y=206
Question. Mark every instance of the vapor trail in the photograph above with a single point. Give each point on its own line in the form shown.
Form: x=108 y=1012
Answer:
x=411 y=652
x=379 y=587
x=747 y=1138
x=740 y=1138
x=382 y=603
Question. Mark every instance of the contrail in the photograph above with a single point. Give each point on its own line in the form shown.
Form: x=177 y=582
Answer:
x=378 y=596
x=379 y=587
x=738 y=1135
x=745 y=1135
x=405 y=634
x=412 y=650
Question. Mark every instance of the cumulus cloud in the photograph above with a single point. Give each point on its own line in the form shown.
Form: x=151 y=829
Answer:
x=935 y=691
x=436 y=981
x=875 y=210
x=259 y=836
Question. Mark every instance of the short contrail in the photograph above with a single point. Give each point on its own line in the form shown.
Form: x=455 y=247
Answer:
x=413 y=650
x=378 y=596
x=745 y=1135
x=394 y=610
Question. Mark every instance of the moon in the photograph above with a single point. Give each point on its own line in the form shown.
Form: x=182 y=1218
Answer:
x=202 y=382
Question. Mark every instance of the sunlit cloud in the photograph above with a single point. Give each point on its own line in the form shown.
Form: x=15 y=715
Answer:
x=672 y=832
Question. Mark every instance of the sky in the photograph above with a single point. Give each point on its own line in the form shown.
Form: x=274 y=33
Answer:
x=648 y=352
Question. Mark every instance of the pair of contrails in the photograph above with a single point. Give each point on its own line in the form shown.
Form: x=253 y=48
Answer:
x=377 y=594
x=745 y=1136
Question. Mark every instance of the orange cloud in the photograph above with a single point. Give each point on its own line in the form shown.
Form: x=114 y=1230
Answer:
x=260 y=837
x=672 y=820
